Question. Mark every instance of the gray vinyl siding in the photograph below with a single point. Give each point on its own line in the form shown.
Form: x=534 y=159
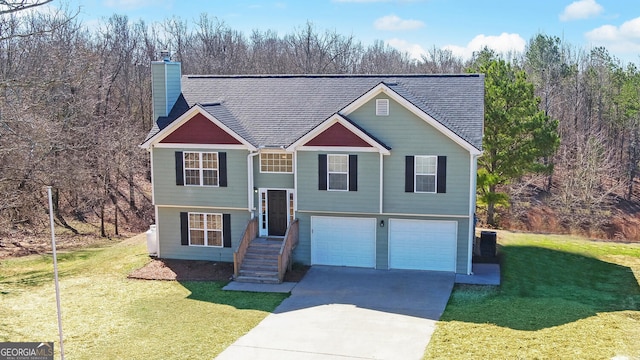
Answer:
x=174 y=75
x=270 y=180
x=365 y=199
x=166 y=192
x=408 y=135
x=302 y=252
x=159 y=90
x=462 y=258
x=169 y=235
x=165 y=86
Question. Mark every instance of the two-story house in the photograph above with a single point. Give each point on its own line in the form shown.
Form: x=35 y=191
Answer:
x=375 y=171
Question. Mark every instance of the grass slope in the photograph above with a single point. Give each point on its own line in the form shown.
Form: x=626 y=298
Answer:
x=561 y=297
x=107 y=316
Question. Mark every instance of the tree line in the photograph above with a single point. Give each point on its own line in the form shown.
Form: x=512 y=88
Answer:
x=76 y=101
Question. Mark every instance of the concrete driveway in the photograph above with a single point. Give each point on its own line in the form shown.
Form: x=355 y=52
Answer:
x=350 y=313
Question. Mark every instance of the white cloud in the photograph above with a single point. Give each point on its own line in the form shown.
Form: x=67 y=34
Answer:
x=393 y=23
x=502 y=43
x=581 y=9
x=624 y=39
x=415 y=51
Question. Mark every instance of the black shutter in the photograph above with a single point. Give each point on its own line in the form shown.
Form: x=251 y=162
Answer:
x=353 y=172
x=179 y=168
x=322 y=171
x=442 y=174
x=184 y=228
x=409 y=173
x=222 y=169
x=226 y=230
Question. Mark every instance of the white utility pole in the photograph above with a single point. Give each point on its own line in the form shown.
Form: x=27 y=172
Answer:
x=55 y=271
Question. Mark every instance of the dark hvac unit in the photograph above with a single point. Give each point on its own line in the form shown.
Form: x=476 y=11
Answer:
x=488 y=241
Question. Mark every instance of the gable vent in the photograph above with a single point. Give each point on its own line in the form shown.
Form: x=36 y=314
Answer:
x=382 y=107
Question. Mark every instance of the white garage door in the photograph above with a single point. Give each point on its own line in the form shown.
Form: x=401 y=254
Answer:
x=342 y=241
x=422 y=244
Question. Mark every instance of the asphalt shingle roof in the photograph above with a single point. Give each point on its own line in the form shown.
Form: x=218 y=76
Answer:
x=277 y=110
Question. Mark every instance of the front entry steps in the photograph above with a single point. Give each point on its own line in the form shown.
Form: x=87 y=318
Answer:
x=260 y=264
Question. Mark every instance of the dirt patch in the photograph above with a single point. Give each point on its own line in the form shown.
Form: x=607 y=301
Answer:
x=297 y=273
x=184 y=270
x=198 y=270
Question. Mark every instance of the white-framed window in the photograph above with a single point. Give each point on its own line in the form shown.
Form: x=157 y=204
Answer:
x=426 y=170
x=276 y=163
x=201 y=168
x=205 y=229
x=338 y=172
x=382 y=107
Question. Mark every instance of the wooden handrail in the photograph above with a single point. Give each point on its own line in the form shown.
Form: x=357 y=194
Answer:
x=250 y=233
x=289 y=243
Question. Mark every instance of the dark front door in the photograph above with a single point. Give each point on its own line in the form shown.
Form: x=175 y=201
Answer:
x=277 y=212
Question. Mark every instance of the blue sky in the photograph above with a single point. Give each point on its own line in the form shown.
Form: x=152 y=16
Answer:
x=411 y=25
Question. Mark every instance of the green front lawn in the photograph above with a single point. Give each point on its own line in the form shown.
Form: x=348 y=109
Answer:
x=561 y=297
x=107 y=316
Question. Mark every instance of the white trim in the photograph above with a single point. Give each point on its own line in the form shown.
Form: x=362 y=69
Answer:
x=153 y=184
x=383 y=214
x=381 y=183
x=250 y=184
x=188 y=115
x=200 y=207
x=265 y=191
x=339 y=149
x=337 y=118
x=291 y=207
x=157 y=230
x=295 y=184
x=473 y=166
x=199 y=146
x=263 y=224
x=384 y=89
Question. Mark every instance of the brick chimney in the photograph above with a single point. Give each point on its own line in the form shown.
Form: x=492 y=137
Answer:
x=165 y=84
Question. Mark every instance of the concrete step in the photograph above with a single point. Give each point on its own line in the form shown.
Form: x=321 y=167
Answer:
x=260 y=280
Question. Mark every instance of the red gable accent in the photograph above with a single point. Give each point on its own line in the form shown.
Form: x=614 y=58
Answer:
x=200 y=130
x=337 y=135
